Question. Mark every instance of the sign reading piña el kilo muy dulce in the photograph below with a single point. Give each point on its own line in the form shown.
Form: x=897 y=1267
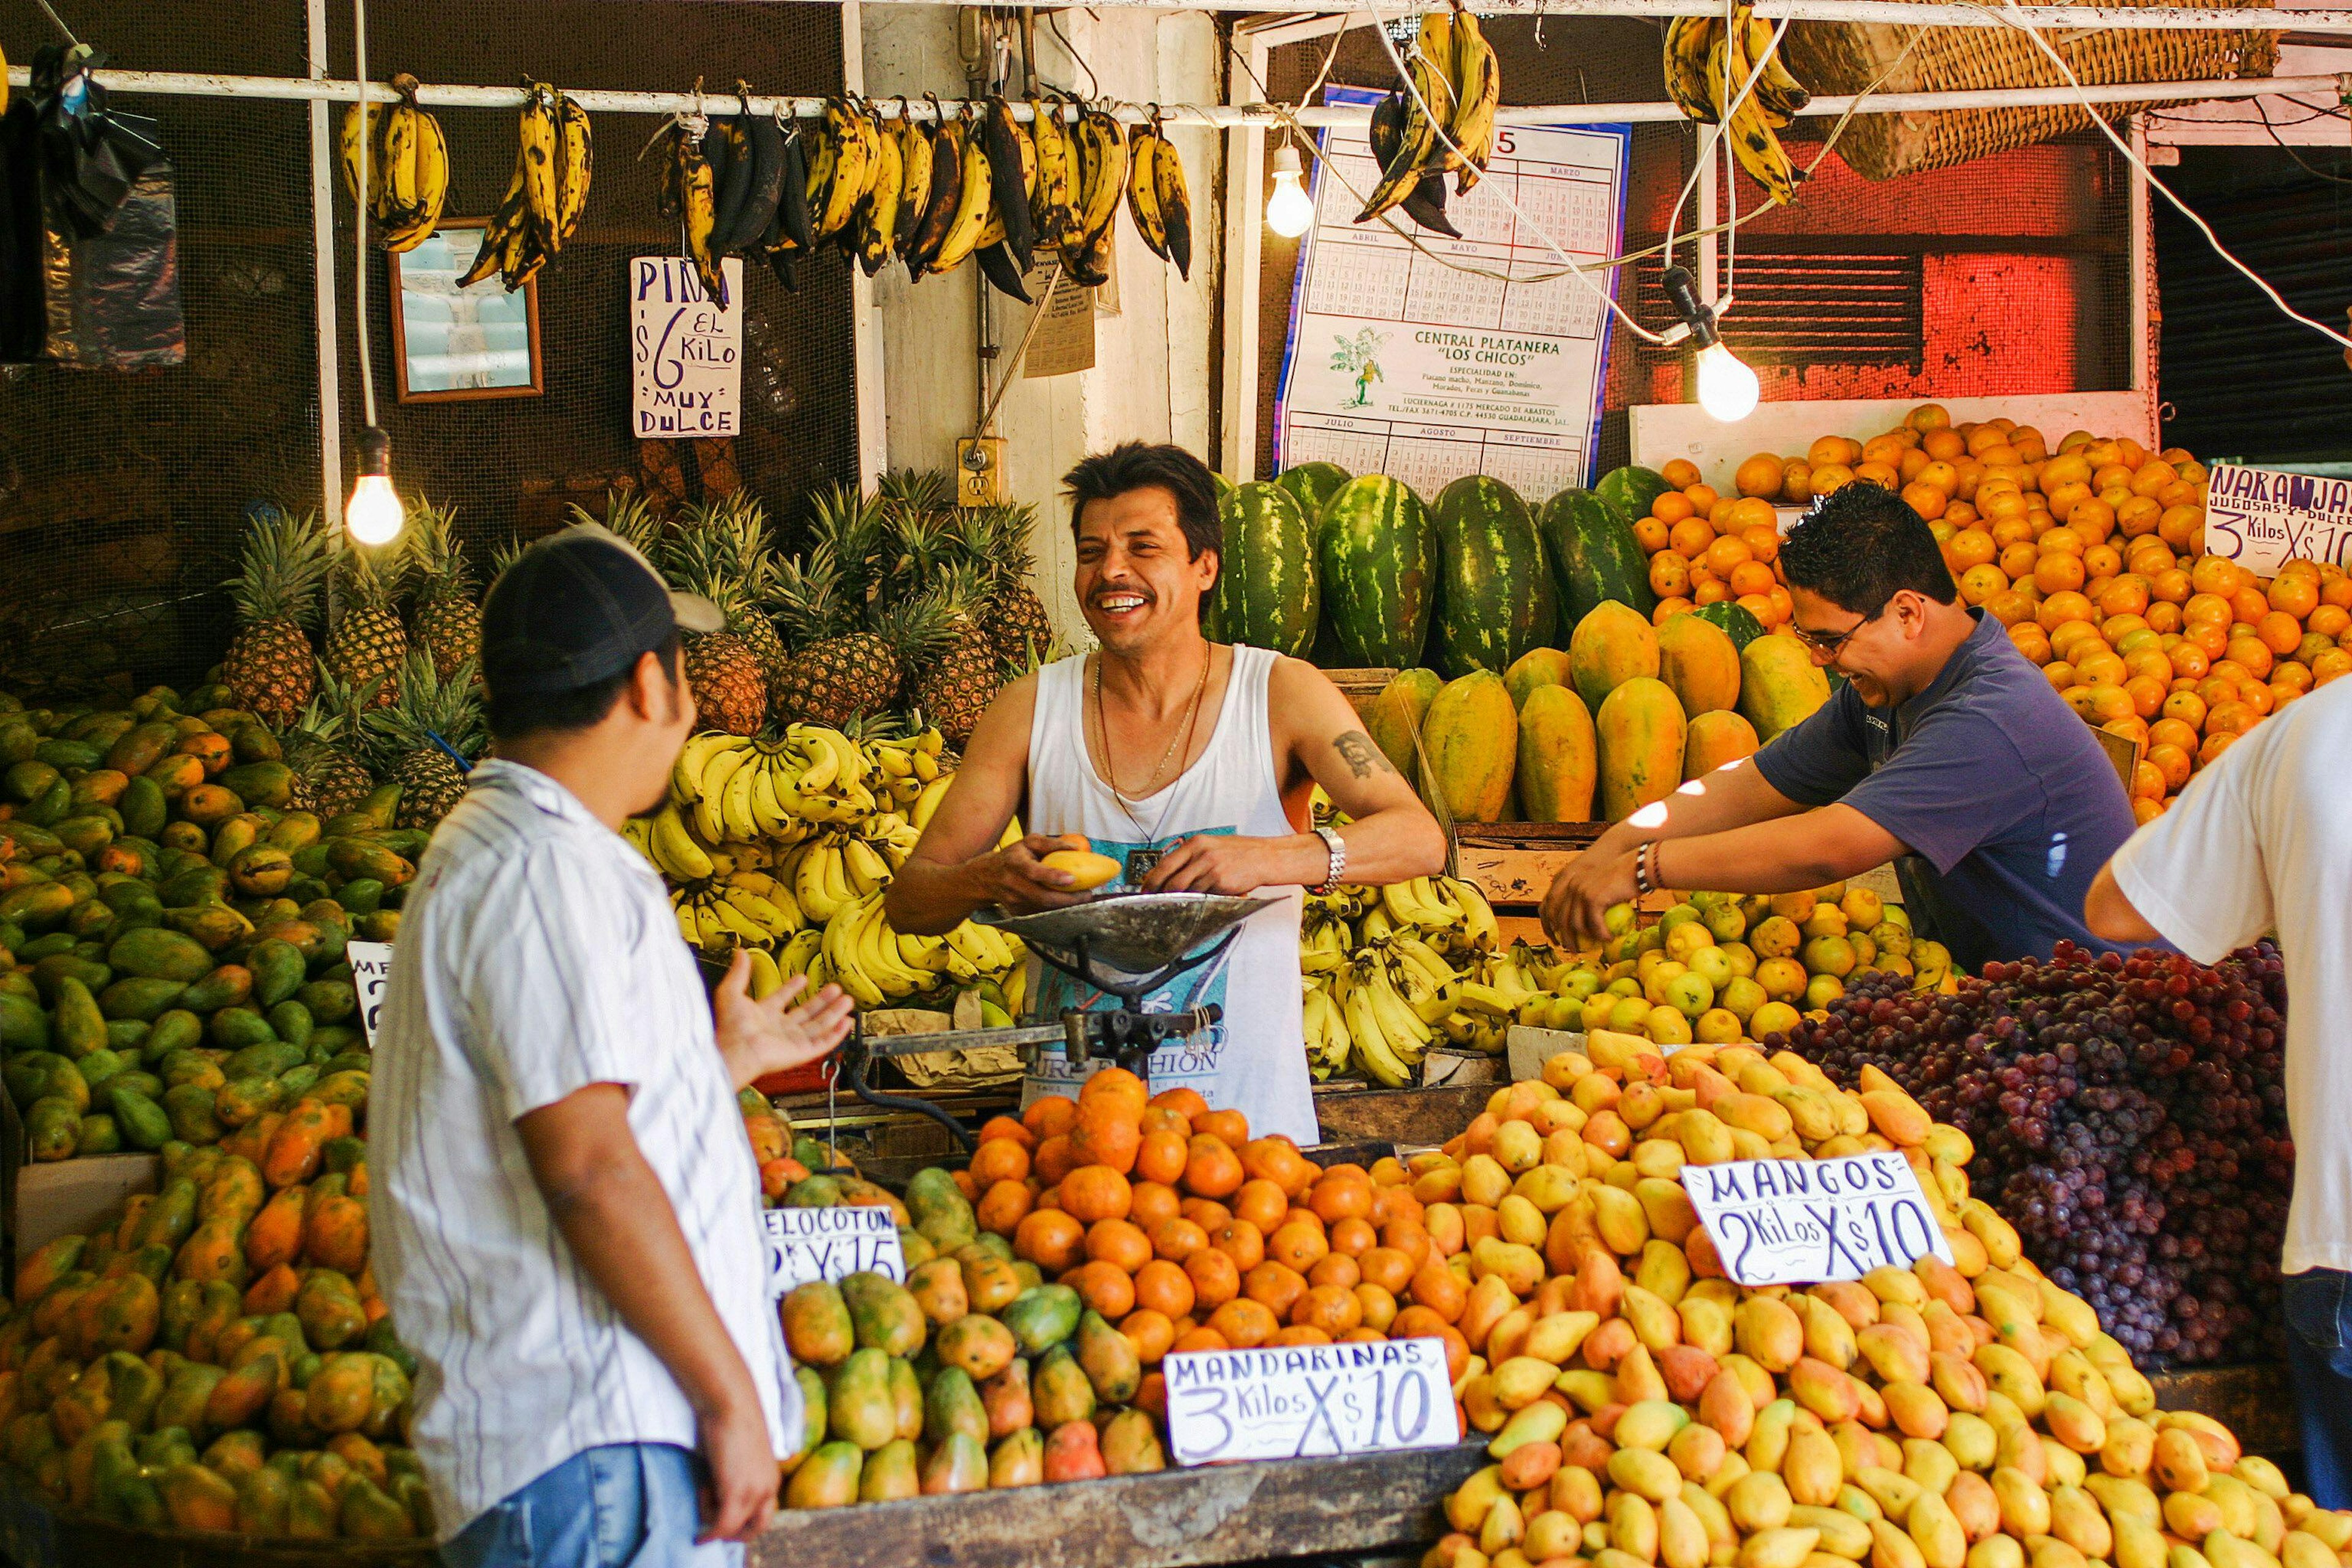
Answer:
x=1800 y=1222
x=370 y=965
x=686 y=350
x=1291 y=1402
x=808 y=1245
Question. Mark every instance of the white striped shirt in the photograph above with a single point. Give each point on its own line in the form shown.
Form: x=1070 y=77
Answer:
x=539 y=955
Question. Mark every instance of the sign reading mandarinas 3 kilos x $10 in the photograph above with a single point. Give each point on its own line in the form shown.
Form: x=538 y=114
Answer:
x=1800 y=1222
x=1291 y=1402
x=2262 y=518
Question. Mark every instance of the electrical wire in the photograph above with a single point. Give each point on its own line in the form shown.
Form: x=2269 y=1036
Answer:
x=359 y=218
x=2123 y=145
x=2288 y=148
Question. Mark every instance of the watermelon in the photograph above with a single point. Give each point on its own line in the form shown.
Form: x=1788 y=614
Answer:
x=1312 y=484
x=1379 y=558
x=1266 y=594
x=1594 y=554
x=1732 y=620
x=1495 y=595
x=1632 y=488
x=1225 y=487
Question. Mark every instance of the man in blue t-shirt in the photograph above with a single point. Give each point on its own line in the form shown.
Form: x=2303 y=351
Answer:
x=1946 y=751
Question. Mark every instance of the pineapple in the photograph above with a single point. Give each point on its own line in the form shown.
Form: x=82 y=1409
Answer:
x=731 y=684
x=328 y=779
x=955 y=677
x=738 y=533
x=444 y=619
x=412 y=739
x=837 y=669
x=368 y=642
x=269 y=661
x=1018 y=627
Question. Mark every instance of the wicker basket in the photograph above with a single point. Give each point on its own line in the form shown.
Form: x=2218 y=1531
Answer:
x=1843 y=58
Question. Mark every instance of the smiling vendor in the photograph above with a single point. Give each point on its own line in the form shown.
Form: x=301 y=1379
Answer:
x=1946 y=751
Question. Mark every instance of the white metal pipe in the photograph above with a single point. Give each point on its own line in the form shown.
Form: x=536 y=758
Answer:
x=1914 y=13
x=188 y=84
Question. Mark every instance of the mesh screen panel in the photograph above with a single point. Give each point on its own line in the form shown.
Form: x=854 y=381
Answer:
x=122 y=495
x=2009 y=274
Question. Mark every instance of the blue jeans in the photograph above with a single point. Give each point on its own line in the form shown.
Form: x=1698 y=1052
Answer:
x=2319 y=1355
x=629 y=1505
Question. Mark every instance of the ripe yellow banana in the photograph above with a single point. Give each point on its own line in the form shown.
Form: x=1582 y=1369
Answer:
x=1779 y=93
x=431 y=188
x=500 y=238
x=854 y=143
x=1101 y=167
x=395 y=162
x=915 y=148
x=698 y=214
x=1144 y=187
x=1175 y=203
x=354 y=144
x=1478 y=90
x=877 y=227
x=571 y=183
x=674 y=849
x=540 y=165
x=977 y=197
x=1051 y=205
x=1753 y=141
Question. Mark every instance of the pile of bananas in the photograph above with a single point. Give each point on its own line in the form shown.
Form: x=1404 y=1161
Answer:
x=1391 y=970
x=549 y=192
x=970 y=184
x=1702 y=55
x=783 y=845
x=1444 y=124
x=403 y=154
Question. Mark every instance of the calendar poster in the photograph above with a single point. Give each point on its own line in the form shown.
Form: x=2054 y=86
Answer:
x=1465 y=357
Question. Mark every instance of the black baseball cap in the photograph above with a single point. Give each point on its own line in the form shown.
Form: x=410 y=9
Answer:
x=580 y=606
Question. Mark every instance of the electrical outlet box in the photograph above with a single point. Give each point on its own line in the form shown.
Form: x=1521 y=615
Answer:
x=979 y=471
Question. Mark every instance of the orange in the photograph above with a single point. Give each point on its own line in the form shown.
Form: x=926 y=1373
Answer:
x=1387 y=1268
x=1214 y=1277
x=1155 y=1204
x=2336 y=590
x=2152 y=476
x=1944 y=444
x=1681 y=473
x=1261 y=1203
x=1105 y=1286
x=999 y=1160
x=2333 y=665
x=2247 y=605
x=1342 y=1197
x=1439 y=1289
x=1206 y=1212
x=1230 y=1128
x=1055 y=1113
x=1277 y=1287
x=1158 y=1118
x=1750 y=512
x=2211 y=751
x=1379 y=1307
x=1096 y=1191
x=2093 y=518
x=1702 y=498
x=1830 y=478
x=2188 y=660
x=1890 y=446
x=2329 y=621
x=2251 y=652
x=1883 y=475
x=1187 y=1100
x=1051 y=1239
x=1766 y=607
x=1408 y=1234
x=1177 y=1239
x=2260 y=696
x=1241 y=1241
x=1833 y=449
x=1328 y=1308
x=2213 y=575
x=1003 y=1207
x=1106 y=1135
x=2031 y=641
x=1763 y=542
x=2291 y=676
x=1926 y=500
x=1727 y=554
x=2126 y=595
x=1201 y=1338
x=2279 y=631
x=1119 y=1242
x=2145 y=811
x=1672 y=508
x=1005 y=1127
x=2171 y=763
x=1650 y=534
x=1150 y=1333
x=2109 y=703
x=2136 y=517
x=1670 y=575
x=1690 y=537
x=1298 y=1246
x=1054 y=1158
x=1161 y=1156
x=2146 y=694
x=1749 y=578
x=1336 y=1268
x=2174 y=732
x=2056 y=573
x=1710 y=592
x=1211 y=1169
x=1164 y=1287
x=1759 y=476
x=1244 y=1323
x=1116 y=1084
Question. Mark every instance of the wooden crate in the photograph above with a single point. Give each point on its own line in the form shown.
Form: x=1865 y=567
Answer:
x=1361 y=685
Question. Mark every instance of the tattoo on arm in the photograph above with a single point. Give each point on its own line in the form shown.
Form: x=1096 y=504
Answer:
x=1363 y=758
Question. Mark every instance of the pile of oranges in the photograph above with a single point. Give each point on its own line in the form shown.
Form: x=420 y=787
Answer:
x=2093 y=558
x=1705 y=547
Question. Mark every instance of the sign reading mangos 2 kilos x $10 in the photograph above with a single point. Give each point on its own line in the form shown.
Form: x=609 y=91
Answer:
x=1799 y=1222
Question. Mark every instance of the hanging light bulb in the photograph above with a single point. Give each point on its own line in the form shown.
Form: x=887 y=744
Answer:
x=373 y=514
x=1728 y=389
x=1290 y=209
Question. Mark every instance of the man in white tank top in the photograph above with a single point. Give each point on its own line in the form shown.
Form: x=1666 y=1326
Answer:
x=1189 y=762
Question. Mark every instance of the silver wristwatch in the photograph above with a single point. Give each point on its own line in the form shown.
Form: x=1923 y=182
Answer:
x=1338 y=849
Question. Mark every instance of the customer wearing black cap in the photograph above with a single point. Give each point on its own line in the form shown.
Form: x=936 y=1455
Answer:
x=565 y=1209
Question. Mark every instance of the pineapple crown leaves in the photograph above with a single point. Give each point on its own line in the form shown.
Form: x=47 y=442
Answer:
x=440 y=563
x=917 y=490
x=371 y=576
x=628 y=515
x=336 y=711
x=281 y=567
x=428 y=707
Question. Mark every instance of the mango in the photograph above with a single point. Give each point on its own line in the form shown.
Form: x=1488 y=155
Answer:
x=1630 y=1523
x=1131 y=1445
x=1937 y=1532
x=1767 y=1332
x=1758 y=1501
x=817 y=1327
x=1645 y=1474
x=828 y=1479
x=2179 y=1463
x=1813 y=1468
x=1785 y=1547
x=1018 y=1460
x=890 y=1473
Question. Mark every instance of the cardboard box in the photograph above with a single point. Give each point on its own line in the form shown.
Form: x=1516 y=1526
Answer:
x=1441 y=1065
x=39 y=1203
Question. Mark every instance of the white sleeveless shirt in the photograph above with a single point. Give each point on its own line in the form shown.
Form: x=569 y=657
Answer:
x=1254 y=1061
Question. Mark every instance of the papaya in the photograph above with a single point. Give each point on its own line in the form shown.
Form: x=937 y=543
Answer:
x=196 y=1497
x=100 y=1067
x=47 y=1264
x=889 y=1473
x=1699 y=663
x=826 y=1479
x=367 y=1514
x=143 y=807
x=152 y=953
x=1470 y=736
x=858 y=1401
x=242 y=1100
x=232 y=1191
x=174 y=1029
x=1060 y=1389
x=1535 y=668
x=1640 y=730
x=1042 y=1317
x=813 y=1416
x=938 y=1289
x=989 y=1284
x=906 y=1398
x=1560 y=756
x=1610 y=646
x=340 y=1393
x=226 y=985
x=1019 y=1460
x=1394 y=717
x=83 y=1406
x=294 y=1024
x=363 y=1455
x=311 y=1512
x=118 y=1314
x=1715 y=739
x=52 y=1129
x=235 y=1454
x=1107 y=1358
x=273 y=1291
x=298 y=1144
x=189 y=1107
x=235 y=1027
x=262 y=1497
x=273 y=1239
x=152 y=1261
x=976 y=1343
x=882 y=1312
x=135 y=1388
x=1006 y=1398
x=388 y=1398
x=817 y=1326
x=952 y=1403
x=1073 y=1453
x=165 y=1446
x=957 y=1465
x=215 y=1250
x=172 y=1216
x=1779 y=685
x=244 y=1394
x=1131 y=1445
x=335 y=1232
x=120 y=1489
x=24 y=1026
x=330 y=1311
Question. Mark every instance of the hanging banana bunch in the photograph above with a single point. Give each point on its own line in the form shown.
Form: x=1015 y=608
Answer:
x=549 y=192
x=747 y=159
x=1098 y=176
x=1442 y=123
x=406 y=162
x=1157 y=199
x=1707 y=64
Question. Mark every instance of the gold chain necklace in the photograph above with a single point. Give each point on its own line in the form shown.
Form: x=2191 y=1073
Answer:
x=1183 y=736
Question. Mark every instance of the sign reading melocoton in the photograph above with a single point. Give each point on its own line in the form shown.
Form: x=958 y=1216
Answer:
x=1799 y=1222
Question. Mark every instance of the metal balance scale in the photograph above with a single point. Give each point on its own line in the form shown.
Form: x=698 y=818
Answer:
x=1122 y=945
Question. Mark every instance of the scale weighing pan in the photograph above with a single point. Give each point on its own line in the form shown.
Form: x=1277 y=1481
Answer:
x=1132 y=933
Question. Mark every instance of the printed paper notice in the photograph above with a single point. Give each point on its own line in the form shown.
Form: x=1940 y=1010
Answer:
x=808 y=1245
x=1063 y=341
x=686 y=351
x=1800 y=1222
x=2262 y=518
x=370 y=965
x=1477 y=356
x=1304 y=1400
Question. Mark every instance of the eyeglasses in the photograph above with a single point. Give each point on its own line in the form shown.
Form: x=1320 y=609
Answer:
x=1826 y=645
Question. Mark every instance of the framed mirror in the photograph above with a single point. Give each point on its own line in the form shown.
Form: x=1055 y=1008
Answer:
x=451 y=344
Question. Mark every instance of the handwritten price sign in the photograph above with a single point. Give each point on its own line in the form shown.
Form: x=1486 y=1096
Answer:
x=2262 y=518
x=370 y=965
x=1299 y=1401
x=1799 y=1222
x=686 y=351
x=809 y=1245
